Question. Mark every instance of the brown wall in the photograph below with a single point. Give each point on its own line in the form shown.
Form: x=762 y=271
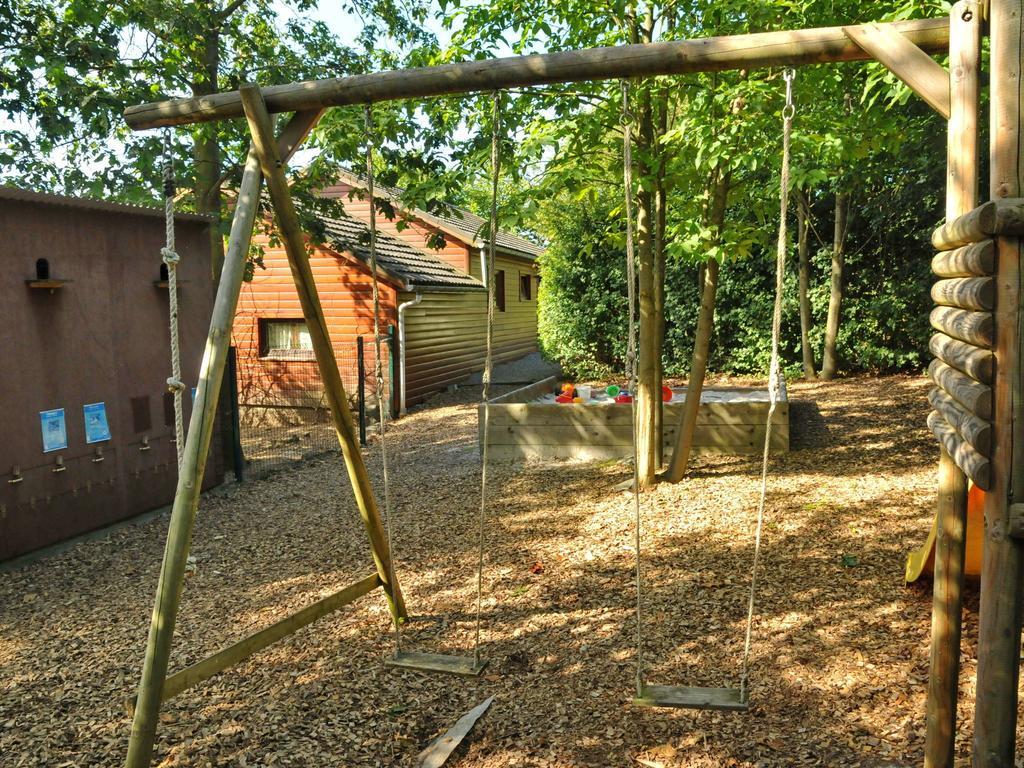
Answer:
x=102 y=337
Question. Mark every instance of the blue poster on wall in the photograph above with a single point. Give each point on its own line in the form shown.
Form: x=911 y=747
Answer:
x=97 y=430
x=55 y=433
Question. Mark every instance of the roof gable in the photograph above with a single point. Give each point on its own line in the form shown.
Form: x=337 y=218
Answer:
x=458 y=222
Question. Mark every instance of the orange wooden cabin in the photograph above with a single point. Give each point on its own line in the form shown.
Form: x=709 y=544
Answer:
x=433 y=299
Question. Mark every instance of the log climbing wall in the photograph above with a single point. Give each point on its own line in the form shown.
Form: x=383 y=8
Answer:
x=963 y=367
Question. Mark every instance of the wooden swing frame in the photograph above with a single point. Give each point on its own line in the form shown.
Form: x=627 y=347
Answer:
x=904 y=48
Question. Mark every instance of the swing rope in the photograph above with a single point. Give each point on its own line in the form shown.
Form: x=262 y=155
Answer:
x=378 y=367
x=485 y=392
x=488 y=363
x=170 y=257
x=774 y=378
x=631 y=359
x=774 y=374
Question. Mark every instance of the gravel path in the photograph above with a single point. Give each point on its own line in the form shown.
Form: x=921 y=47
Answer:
x=840 y=648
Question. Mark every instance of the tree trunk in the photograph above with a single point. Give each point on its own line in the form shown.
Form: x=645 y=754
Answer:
x=660 y=223
x=206 y=154
x=829 y=361
x=803 y=248
x=647 y=397
x=702 y=341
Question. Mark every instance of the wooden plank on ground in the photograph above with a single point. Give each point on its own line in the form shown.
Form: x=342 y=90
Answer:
x=438 y=753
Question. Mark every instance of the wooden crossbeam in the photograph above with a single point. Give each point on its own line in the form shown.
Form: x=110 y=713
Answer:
x=246 y=647
x=917 y=69
x=975 y=259
x=762 y=49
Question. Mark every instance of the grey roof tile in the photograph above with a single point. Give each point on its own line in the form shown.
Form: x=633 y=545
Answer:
x=417 y=268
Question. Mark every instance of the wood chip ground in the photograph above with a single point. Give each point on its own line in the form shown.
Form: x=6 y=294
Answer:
x=840 y=653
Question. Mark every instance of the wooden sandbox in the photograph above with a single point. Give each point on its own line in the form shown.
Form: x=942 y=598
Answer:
x=527 y=424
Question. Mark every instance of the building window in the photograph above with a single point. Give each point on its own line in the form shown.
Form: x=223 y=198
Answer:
x=287 y=339
x=499 y=290
x=42 y=269
x=525 y=288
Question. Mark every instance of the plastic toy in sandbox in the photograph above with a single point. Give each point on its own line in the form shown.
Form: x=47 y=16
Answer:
x=553 y=420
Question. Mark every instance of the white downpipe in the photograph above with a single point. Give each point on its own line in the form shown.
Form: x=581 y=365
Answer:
x=401 y=350
x=483 y=266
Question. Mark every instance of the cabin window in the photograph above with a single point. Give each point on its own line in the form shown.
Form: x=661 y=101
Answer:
x=287 y=339
x=525 y=288
x=499 y=290
x=164 y=273
x=42 y=269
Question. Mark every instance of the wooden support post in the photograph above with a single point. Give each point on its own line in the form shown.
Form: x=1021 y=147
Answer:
x=995 y=716
x=298 y=260
x=190 y=478
x=951 y=500
x=947 y=612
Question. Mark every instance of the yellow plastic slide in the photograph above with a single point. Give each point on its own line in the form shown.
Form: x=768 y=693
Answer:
x=921 y=560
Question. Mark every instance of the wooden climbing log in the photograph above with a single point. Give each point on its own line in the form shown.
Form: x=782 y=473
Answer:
x=761 y=49
x=972 y=395
x=996 y=217
x=976 y=362
x=977 y=328
x=976 y=259
x=975 y=431
x=976 y=293
x=973 y=464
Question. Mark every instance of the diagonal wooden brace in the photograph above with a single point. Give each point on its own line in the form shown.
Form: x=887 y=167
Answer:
x=922 y=74
x=298 y=260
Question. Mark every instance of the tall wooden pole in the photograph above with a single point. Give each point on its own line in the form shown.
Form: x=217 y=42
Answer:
x=190 y=478
x=995 y=717
x=298 y=260
x=197 y=448
x=951 y=500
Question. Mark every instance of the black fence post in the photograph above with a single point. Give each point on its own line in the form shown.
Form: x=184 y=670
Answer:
x=238 y=457
x=361 y=389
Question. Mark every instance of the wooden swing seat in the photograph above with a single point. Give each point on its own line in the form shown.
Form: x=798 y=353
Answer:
x=464 y=666
x=682 y=697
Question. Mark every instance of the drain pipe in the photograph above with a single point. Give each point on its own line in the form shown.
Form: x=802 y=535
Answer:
x=401 y=350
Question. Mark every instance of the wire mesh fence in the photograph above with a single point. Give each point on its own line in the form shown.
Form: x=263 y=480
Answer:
x=283 y=413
